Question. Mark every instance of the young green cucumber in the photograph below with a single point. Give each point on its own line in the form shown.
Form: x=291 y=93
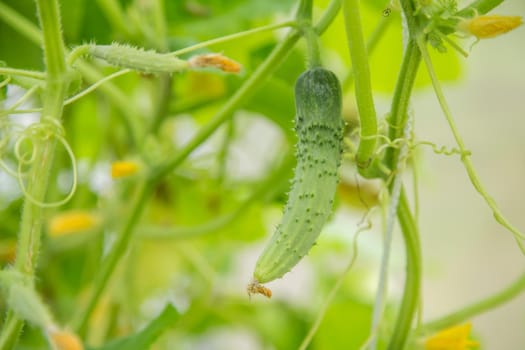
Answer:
x=319 y=127
x=137 y=59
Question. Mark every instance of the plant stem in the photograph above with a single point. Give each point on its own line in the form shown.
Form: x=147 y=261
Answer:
x=234 y=36
x=397 y=121
x=304 y=21
x=398 y=111
x=363 y=86
x=304 y=12
x=476 y=308
x=331 y=11
x=412 y=286
x=371 y=44
x=22 y=72
x=32 y=215
x=479 y=6
x=395 y=193
x=465 y=158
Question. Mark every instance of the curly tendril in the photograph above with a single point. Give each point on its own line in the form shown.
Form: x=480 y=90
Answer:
x=20 y=101
x=399 y=142
x=45 y=130
x=5 y=141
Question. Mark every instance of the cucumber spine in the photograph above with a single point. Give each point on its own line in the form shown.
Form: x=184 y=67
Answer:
x=319 y=127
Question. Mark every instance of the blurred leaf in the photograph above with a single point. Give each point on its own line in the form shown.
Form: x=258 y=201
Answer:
x=275 y=100
x=345 y=326
x=15 y=49
x=223 y=17
x=95 y=26
x=72 y=13
x=147 y=336
x=84 y=120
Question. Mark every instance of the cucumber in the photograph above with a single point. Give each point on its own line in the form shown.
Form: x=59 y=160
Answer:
x=137 y=59
x=319 y=128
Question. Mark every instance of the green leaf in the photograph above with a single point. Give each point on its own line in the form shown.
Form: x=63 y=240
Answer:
x=224 y=17
x=72 y=18
x=146 y=337
x=274 y=100
x=346 y=325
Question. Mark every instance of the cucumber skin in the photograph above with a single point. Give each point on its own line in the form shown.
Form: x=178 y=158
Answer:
x=319 y=127
x=138 y=59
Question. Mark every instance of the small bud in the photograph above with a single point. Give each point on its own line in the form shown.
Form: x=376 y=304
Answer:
x=215 y=60
x=71 y=222
x=484 y=27
x=64 y=340
x=123 y=168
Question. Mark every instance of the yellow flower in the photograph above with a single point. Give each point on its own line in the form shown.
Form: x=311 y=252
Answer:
x=71 y=222
x=64 y=340
x=484 y=27
x=123 y=168
x=452 y=338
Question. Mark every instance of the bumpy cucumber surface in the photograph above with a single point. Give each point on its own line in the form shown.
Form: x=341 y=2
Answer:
x=319 y=127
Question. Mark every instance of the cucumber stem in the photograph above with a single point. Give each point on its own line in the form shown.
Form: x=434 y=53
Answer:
x=363 y=86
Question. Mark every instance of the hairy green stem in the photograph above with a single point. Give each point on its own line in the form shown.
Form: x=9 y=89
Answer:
x=23 y=73
x=32 y=214
x=394 y=189
x=234 y=36
x=474 y=309
x=397 y=122
x=363 y=86
x=371 y=44
x=304 y=21
x=398 y=111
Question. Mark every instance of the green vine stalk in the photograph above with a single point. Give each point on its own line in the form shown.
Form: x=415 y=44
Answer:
x=363 y=86
x=32 y=215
